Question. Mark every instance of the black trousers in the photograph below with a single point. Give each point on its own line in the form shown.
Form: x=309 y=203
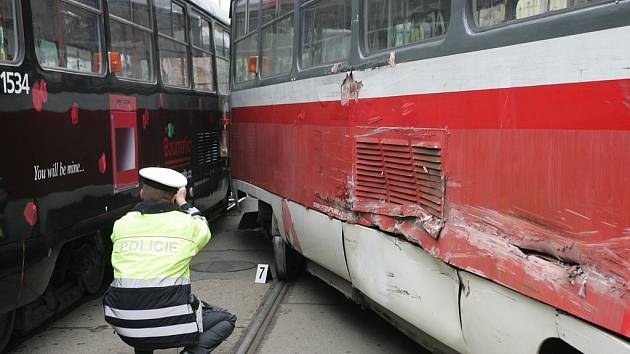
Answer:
x=218 y=324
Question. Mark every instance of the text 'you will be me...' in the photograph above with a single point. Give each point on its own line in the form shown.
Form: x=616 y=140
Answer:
x=57 y=169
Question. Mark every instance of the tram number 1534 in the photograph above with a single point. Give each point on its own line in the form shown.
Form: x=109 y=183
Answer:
x=14 y=83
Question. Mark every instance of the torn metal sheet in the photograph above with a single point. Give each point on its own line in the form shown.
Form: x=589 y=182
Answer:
x=350 y=89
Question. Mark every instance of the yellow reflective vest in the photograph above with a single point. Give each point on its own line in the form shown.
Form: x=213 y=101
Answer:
x=149 y=303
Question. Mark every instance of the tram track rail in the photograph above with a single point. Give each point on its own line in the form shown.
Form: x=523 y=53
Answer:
x=259 y=326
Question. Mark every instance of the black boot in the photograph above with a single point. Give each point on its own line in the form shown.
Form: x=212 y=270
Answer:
x=142 y=351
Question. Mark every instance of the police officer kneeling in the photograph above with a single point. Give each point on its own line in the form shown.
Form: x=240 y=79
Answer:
x=149 y=303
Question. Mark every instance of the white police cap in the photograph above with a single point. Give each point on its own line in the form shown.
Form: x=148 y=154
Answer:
x=163 y=178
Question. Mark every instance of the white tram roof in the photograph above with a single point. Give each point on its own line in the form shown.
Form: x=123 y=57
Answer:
x=213 y=8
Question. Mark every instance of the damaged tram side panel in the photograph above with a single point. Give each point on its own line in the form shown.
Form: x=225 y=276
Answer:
x=514 y=205
x=480 y=200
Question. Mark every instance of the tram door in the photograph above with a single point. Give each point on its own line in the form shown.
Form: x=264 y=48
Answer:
x=124 y=133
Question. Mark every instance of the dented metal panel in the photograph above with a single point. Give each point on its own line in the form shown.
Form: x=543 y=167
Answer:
x=588 y=339
x=407 y=281
x=496 y=320
x=320 y=237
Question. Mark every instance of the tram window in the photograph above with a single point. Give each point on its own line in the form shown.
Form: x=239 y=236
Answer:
x=90 y=3
x=172 y=43
x=269 y=10
x=325 y=32
x=395 y=23
x=487 y=13
x=8 y=31
x=277 y=42
x=222 y=51
x=174 y=63
x=246 y=16
x=221 y=41
x=243 y=49
x=223 y=75
x=246 y=47
x=134 y=41
x=202 y=70
x=273 y=9
x=253 y=8
x=171 y=20
x=285 y=6
x=72 y=42
x=240 y=10
x=201 y=52
x=200 y=31
x=136 y=11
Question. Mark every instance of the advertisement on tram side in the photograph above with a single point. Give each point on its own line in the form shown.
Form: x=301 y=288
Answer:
x=85 y=103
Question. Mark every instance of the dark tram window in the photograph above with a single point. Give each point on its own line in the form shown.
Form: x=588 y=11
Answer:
x=222 y=50
x=68 y=35
x=8 y=31
x=487 y=13
x=132 y=37
x=172 y=43
x=395 y=23
x=201 y=52
x=326 y=32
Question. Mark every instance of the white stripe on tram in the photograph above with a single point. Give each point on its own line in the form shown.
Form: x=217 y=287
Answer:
x=593 y=56
x=149 y=283
x=148 y=314
x=157 y=331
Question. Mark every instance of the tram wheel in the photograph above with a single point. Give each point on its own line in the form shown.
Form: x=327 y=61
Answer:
x=94 y=264
x=289 y=262
x=7 y=321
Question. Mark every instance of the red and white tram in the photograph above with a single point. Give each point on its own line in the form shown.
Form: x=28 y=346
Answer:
x=461 y=166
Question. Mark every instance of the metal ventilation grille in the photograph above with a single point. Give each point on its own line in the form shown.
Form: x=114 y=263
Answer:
x=207 y=147
x=400 y=173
